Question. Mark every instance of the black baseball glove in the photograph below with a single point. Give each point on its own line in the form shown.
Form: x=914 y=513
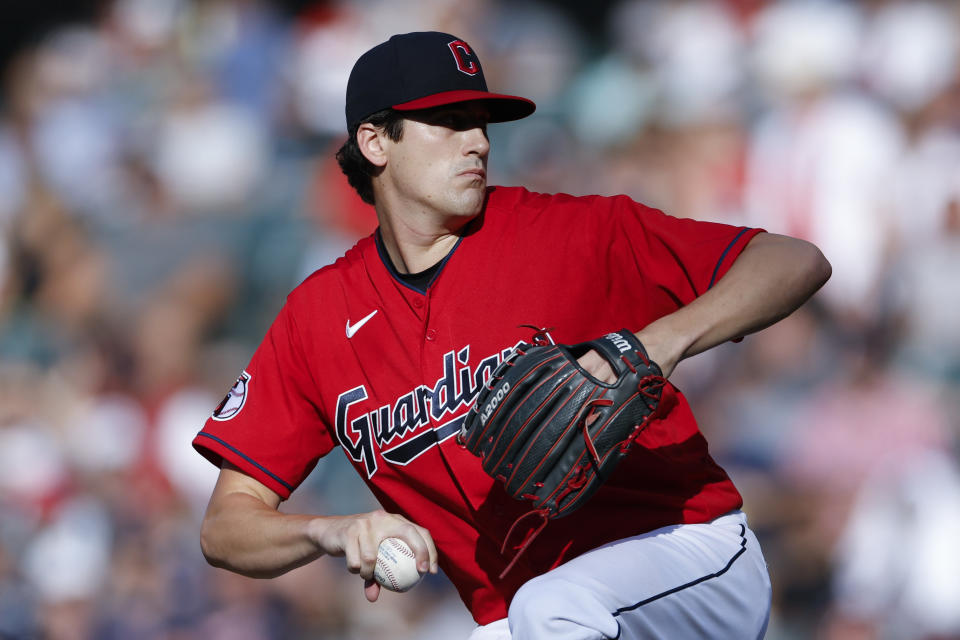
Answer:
x=550 y=431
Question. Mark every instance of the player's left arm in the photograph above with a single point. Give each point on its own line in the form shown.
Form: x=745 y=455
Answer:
x=770 y=279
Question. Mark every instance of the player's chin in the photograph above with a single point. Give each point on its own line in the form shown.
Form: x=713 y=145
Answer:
x=469 y=202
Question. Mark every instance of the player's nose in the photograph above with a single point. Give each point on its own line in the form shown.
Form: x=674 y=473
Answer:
x=476 y=141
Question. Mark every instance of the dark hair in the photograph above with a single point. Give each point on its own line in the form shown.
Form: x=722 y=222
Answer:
x=354 y=165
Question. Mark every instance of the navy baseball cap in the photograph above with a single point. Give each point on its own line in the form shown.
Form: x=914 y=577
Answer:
x=421 y=70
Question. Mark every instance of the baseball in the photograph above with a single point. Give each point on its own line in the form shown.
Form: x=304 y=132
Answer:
x=396 y=566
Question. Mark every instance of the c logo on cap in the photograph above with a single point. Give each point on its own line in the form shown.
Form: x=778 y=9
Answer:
x=460 y=50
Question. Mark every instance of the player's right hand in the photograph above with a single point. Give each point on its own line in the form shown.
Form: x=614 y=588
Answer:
x=357 y=538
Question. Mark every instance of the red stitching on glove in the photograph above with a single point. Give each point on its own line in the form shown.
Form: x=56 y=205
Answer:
x=650 y=384
x=544 y=515
x=576 y=482
x=585 y=422
x=541 y=335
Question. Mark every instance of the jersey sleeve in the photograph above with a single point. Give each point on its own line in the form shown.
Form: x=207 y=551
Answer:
x=269 y=425
x=679 y=258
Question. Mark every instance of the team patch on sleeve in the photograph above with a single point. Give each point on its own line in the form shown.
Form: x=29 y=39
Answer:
x=233 y=402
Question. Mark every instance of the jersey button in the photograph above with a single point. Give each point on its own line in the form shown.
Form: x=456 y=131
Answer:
x=431 y=334
x=417 y=302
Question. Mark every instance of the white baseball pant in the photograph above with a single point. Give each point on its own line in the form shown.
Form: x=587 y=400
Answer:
x=682 y=581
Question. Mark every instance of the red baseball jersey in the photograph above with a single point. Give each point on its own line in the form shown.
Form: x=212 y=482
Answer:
x=360 y=360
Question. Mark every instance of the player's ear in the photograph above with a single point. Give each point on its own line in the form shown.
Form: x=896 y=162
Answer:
x=370 y=139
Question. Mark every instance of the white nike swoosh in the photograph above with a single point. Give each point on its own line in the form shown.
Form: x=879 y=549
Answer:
x=352 y=330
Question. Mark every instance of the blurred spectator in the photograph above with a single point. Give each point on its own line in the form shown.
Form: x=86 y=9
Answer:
x=66 y=564
x=929 y=299
x=824 y=156
x=882 y=591
x=329 y=42
x=909 y=53
x=695 y=51
x=226 y=170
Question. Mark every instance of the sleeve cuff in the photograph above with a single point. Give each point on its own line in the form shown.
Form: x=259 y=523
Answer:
x=216 y=451
x=730 y=254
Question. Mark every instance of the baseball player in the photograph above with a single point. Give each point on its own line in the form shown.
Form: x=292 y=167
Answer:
x=382 y=354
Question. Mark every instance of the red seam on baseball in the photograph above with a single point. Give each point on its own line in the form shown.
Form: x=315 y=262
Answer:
x=385 y=568
x=403 y=548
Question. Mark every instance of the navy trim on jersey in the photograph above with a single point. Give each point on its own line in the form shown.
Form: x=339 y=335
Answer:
x=743 y=548
x=723 y=255
x=423 y=279
x=404 y=453
x=247 y=458
x=388 y=263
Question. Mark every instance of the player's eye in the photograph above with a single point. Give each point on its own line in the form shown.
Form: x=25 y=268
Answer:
x=464 y=121
x=457 y=119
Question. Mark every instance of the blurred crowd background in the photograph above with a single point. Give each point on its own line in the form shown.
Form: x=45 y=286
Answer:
x=166 y=177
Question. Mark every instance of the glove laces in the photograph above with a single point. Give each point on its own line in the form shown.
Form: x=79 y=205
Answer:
x=577 y=481
x=541 y=335
x=649 y=387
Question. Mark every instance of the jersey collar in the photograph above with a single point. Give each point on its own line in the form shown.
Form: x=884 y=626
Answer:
x=437 y=268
